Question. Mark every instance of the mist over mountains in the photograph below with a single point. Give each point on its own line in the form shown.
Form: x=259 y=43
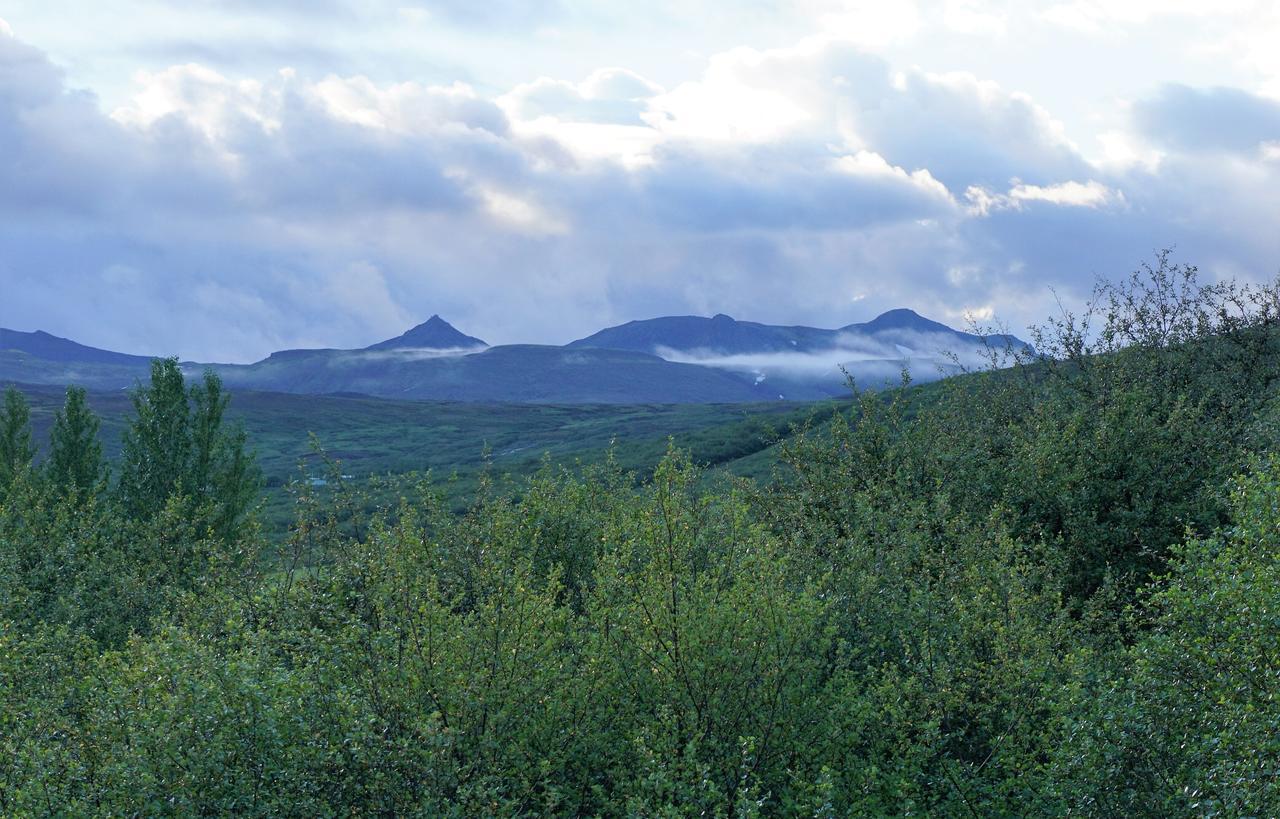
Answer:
x=672 y=359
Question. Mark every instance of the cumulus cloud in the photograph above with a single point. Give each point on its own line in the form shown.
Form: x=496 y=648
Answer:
x=738 y=99
x=222 y=217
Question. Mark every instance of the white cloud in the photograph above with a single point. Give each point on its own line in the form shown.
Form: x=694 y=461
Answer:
x=403 y=108
x=598 y=118
x=628 y=145
x=737 y=100
x=1122 y=150
x=1252 y=46
x=870 y=165
x=608 y=95
x=617 y=84
x=203 y=97
x=522 y=214
x=1091 y=194
x=5 y=29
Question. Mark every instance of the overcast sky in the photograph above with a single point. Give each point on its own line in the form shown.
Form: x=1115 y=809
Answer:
x=223 y=178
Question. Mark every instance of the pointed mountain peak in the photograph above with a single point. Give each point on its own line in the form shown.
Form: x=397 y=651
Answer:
x=433 y=334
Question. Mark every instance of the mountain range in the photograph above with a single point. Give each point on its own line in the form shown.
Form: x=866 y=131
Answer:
x=672 y=359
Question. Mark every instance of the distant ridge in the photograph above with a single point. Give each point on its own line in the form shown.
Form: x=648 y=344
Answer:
x=719 y=334
x=433 y=334
x=723 y=335
x=903 y=320
x=53 y=348
x=672 y=359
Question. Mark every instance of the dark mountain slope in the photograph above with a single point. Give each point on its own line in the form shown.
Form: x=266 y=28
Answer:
x=719 y=334
x=724 y=336
x=517 y=373
x=53 y=348
x=676 y=359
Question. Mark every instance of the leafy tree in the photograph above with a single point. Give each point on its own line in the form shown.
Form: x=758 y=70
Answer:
x=16 y=449
x=222 y=470
x=179 y=445
x=75 y=460
x=156 y=457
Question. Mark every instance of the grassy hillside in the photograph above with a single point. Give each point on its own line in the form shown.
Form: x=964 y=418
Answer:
x=375 y=436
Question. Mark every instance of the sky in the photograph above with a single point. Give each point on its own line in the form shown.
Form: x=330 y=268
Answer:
x=219 y=179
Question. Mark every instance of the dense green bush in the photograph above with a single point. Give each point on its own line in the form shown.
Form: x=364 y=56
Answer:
x=1186 y=720
x=1032 y=590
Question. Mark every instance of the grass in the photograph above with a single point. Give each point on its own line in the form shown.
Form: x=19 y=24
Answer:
x=375 y=436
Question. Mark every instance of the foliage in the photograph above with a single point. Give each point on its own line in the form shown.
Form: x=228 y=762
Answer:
x=16 y=450
x=76 y=463
x=178 y=445
x=1037 y=590
x=1185 y=720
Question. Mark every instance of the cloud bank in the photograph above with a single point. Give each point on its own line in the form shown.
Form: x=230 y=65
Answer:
x=221 y=217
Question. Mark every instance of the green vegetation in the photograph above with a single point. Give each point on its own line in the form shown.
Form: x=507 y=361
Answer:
x=457 y=442
x=1049 y=589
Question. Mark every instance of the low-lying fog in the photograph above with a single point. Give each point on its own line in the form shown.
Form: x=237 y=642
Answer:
x=924 y=355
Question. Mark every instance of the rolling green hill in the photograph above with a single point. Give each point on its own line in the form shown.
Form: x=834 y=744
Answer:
x=377 y=436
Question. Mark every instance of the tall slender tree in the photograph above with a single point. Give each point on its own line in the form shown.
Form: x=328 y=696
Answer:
x=222 y=472
x=16 y=449
x=75 y=453
x=157 y=444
